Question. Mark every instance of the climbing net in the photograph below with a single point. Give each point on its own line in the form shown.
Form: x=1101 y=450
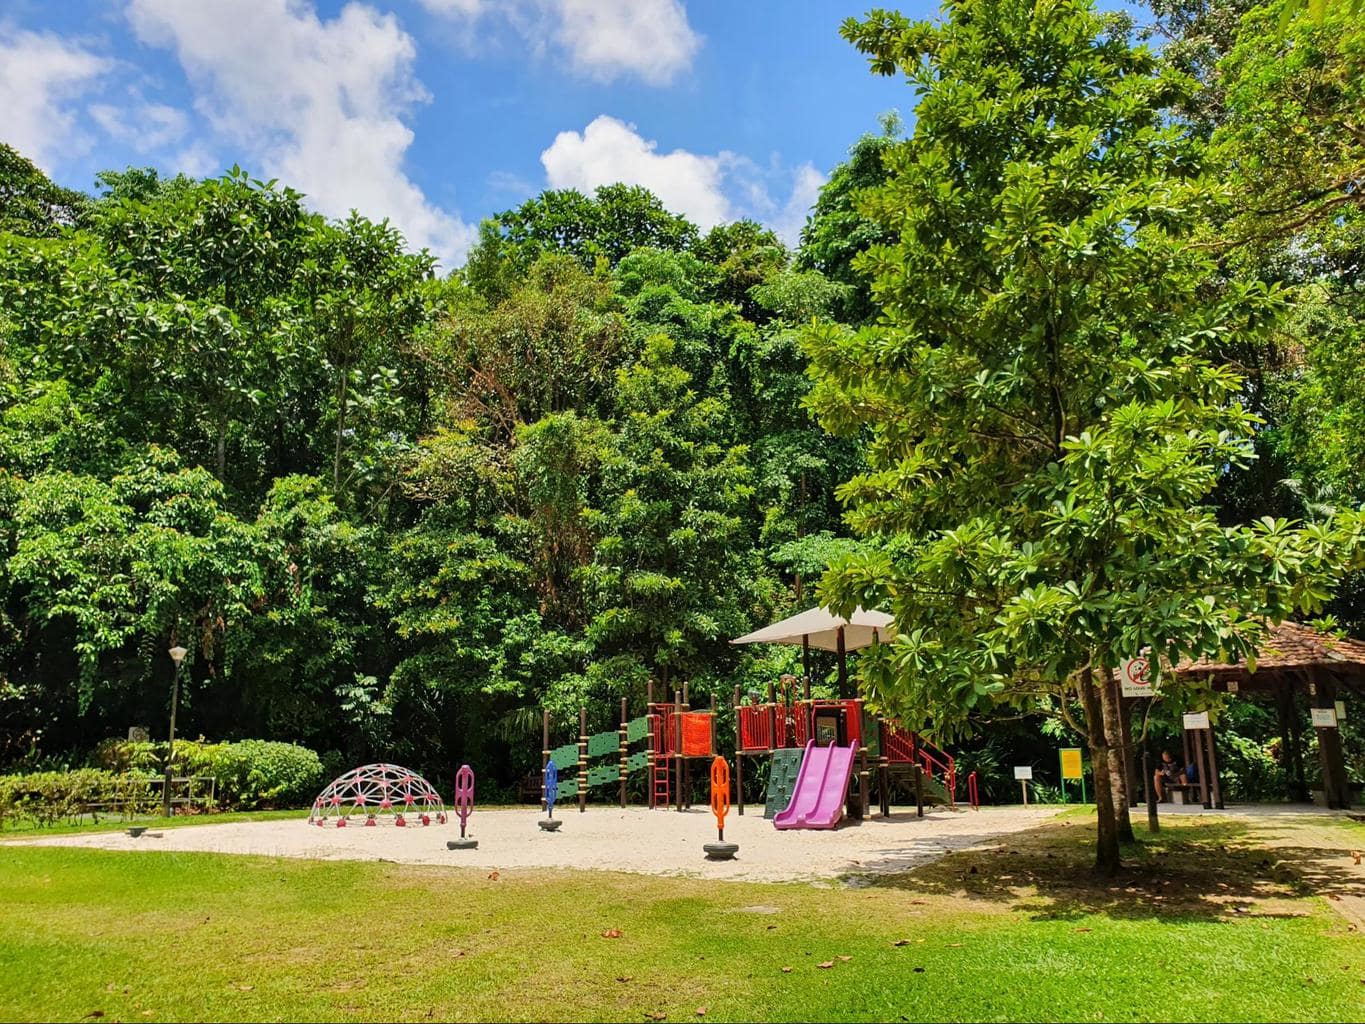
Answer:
x=378 y=792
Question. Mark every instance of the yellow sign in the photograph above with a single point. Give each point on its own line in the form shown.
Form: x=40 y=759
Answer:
x=1071 y=763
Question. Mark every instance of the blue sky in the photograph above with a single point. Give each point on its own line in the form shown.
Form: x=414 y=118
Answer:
x=437 y=113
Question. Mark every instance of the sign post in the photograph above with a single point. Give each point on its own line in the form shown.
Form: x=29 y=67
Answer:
x=1135 y=678
x=1072 y=768
x=1023 y=773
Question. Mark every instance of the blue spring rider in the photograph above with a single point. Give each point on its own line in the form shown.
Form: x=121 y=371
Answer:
x=550 y=823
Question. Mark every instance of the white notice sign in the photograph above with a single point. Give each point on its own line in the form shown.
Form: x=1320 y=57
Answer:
x=1135 y=678
x=1023 y=772
x=1196 y=719
x=1324 y=718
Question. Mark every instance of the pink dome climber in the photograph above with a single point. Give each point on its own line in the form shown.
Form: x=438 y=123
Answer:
x=375 y=793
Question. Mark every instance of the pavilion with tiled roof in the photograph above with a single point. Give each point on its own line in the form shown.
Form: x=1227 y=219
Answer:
x=1296 y=658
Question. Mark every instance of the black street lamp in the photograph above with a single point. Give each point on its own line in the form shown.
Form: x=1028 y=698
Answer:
x=177 y=654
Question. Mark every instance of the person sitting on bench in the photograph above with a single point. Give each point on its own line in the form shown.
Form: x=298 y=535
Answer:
x=1167 y=774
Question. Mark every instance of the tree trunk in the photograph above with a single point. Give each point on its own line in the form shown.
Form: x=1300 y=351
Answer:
x=1118 y=755
x=1107 y=839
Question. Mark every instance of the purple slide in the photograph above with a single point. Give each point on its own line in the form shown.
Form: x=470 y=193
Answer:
x=821 y=788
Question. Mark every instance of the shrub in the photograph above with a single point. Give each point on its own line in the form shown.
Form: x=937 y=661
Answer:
x=46 y=798
x=250 y=774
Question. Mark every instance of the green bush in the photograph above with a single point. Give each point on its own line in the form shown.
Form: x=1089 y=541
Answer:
x=1247 y=769
x=250 y=774
x=46 y=798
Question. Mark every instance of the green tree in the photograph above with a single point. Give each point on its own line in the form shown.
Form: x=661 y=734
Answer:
x=605 y=226
x=30 y=203
x=1047 y=411
x=838 y=230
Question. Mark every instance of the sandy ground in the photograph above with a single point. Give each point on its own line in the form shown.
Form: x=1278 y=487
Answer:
x=609 y=839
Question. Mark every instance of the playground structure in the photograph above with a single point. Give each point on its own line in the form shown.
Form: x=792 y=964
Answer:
x=672 y=735
x=380 y=792
x=789 y=722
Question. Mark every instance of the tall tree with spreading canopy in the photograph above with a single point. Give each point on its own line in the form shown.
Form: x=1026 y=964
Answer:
x=1046 y=408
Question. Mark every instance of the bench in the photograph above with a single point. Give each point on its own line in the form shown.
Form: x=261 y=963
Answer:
x=1183 y=792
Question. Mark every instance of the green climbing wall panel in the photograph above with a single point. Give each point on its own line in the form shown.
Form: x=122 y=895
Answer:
x=637 y=762
x=565 y=756
x=782 y=780
x=604 y=743
x=637 y=729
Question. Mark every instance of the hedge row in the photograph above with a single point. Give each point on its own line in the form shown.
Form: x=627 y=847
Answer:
x=46 y=798
x=249 y=774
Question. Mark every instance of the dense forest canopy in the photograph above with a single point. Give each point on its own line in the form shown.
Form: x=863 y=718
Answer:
x=396 y=513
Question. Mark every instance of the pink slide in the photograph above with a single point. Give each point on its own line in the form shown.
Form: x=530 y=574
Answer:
x=821 y=788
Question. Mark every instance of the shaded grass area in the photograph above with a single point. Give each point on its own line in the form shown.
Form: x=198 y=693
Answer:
x=116 y=822
x=1017 y=931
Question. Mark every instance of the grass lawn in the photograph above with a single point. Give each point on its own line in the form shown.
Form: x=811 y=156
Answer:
x=1022 y=932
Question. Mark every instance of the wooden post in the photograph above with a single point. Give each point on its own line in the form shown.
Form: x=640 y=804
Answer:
x=544 y=757
x=919 y=790
x=582 y=760
x=678 y=761
x=1214 y=780
x=772 y=717
x=625 y=709
x=1336 y=789
x=1023 y=788
x=713 y=728
x=1203 y=770
x=1153 y=824
x=805 y=660
x=843 y=663
x=739 y=757
x=1290 y=756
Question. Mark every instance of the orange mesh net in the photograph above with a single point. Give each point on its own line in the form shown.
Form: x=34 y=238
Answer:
x=696 y=732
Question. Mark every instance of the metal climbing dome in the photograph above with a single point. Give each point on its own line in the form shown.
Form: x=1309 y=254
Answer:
x=375 y=793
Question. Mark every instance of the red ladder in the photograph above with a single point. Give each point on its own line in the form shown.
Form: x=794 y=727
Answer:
x=660 y=792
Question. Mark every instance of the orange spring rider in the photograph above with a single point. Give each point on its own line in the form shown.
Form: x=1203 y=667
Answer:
x=720 y=794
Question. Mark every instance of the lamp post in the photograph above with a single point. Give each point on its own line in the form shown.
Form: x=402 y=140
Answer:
x=177 y=654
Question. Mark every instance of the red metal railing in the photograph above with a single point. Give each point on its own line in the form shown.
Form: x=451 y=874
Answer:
x=755 y=727
x=972 y=797
x=911 y=748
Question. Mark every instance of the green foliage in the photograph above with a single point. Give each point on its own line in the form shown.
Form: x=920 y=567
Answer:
x=30 y=203
x=43 y=799
x=250 y=774
x=603 y=227
x=1045 y=398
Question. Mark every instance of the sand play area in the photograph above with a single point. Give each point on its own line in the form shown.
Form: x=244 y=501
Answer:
x=609 y=839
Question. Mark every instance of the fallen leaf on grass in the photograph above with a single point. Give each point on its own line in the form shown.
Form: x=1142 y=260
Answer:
x=625 y=978
x=494 y=876
x=845 y=959
x=919 y=970
x=701 y=1010
x=954 y=945
x=901 y=942
x=786 y=970
x=93 y=1013
x=656 y=1016
x=612 y=933
x=1081 y=929
x=244 y=987
x=826 y=965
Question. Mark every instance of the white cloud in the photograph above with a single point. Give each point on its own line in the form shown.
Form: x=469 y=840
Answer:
x=609 y=151
x=650 y=38
x=146 y=127
x=707 y=189
x=320 y=103
x=41 y=77
x=806 y=185
x=603 y=39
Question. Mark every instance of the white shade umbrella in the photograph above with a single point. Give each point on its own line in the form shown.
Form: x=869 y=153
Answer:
x=819 y=627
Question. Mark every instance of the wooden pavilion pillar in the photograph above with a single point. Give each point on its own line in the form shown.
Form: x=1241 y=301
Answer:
x=1335 y=787
x=843 y=664
x=1291 y=743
